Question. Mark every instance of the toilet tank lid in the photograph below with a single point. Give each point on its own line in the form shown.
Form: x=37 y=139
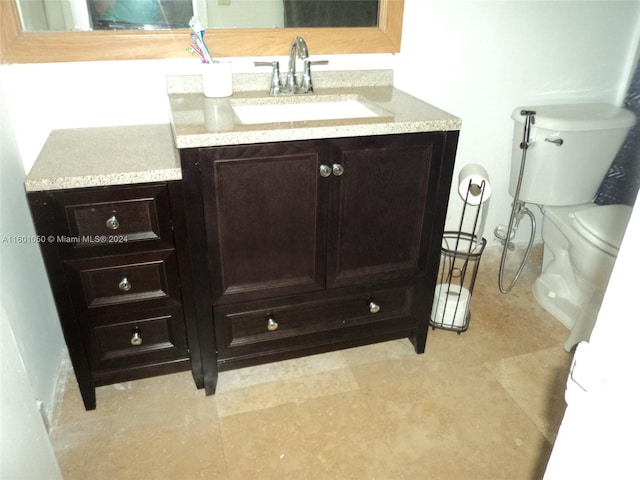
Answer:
x=603 y=225
x=578 y=117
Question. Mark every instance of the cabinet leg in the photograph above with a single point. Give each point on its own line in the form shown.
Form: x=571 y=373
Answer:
x=199 y=381
x=420 y=343
x=419 y=338
x=88 y=397
x=421 y=312
x=210 y=382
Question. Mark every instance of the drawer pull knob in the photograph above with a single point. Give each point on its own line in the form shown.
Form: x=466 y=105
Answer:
x=124 y=285
x=325 y=171
x=136 y=339
x=338 y=169
x=373 y=307
x=112 y=223
x=272 y=325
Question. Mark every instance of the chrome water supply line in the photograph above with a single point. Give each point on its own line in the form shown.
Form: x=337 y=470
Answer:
x=518 y=209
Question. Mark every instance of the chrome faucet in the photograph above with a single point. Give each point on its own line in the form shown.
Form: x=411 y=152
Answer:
x=292 y=84
x=298 y=49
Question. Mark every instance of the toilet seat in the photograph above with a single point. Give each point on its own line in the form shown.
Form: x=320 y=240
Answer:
x=603 y=226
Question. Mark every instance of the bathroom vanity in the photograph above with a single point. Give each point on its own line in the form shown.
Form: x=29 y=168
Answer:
x=107 y=204
x=228 y=241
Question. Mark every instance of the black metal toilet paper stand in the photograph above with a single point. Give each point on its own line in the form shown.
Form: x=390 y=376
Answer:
x=459 y=261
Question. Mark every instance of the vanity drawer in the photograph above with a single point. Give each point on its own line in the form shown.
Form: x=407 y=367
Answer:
x=122 y=281
x=149 y=337
x=114 y=216
x=262 y=327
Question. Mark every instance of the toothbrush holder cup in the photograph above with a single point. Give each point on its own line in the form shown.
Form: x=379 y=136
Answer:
x=217 y=79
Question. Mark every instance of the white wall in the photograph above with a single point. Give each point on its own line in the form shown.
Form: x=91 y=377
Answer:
x=31 y=341
x=481 y=59
x=476 y=59
x=25 y=450
x=24 y=289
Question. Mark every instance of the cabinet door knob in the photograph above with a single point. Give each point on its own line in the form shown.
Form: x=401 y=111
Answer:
x=325 y=170
x=338 y=169
x=112 y=223
x=373 y=306
x=124 y=284
x=272 y=325
x=136 y=339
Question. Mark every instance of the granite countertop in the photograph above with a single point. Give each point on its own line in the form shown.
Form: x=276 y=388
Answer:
x=199 y=121
x=101 y=156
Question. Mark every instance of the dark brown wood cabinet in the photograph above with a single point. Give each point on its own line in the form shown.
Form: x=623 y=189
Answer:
x=262 y=252
x=118 y=266
x=307 y=246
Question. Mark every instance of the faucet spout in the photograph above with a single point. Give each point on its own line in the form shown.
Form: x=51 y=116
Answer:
x=298 y=49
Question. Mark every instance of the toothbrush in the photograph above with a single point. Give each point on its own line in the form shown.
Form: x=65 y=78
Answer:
x=194 y=50
x=198 y=38
x=202 y=48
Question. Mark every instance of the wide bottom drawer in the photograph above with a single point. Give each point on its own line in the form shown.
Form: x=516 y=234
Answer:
x=291 y=323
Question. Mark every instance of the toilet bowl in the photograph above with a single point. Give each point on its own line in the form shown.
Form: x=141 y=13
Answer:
x=581 y=244
x=570 y=150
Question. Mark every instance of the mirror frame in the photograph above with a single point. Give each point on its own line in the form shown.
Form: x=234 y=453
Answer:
x=17 y=46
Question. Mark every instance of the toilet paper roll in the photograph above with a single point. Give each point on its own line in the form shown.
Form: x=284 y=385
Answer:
x=450 y=305
x=476 y=174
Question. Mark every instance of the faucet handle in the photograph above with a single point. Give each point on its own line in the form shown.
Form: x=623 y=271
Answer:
x=307 y=82
x=266 y=64
x=276 y=83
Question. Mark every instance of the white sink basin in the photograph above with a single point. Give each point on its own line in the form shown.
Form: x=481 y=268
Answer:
x=302 y=111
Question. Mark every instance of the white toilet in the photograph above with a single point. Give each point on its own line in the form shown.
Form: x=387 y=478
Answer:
x=571 y=148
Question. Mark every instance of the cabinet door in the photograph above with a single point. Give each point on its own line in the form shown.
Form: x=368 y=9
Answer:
x=265 y=216
x=381 y=207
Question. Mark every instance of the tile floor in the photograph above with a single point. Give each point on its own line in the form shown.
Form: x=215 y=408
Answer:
x=485 y=404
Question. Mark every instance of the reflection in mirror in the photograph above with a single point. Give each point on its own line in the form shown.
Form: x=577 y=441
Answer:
x=330 y=13
x=139 y=14
x=82 y=15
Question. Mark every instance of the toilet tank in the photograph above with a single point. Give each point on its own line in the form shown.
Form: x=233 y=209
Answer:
x=587 y=138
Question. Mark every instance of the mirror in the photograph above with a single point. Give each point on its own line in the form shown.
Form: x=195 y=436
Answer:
x=84 y=15
x=20 y=46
